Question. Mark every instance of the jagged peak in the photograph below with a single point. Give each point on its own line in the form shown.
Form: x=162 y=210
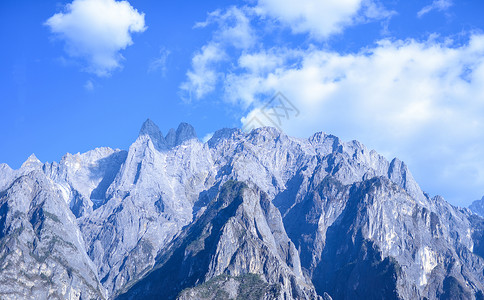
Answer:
x=266 y=130
x=477 y=207
x=32 y=161
x=184 y=132
x=170 y=137
x=152 y=130
x=222 y=134
x=4 y=166
x=318 y=136
x=149 y=127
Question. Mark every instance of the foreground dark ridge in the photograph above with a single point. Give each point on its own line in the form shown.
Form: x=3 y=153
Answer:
x=258 y=215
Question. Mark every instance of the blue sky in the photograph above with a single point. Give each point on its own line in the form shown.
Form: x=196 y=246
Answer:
x=406 y=78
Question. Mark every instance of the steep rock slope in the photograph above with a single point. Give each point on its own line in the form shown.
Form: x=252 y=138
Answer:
x=224 y=287
x=477 y=207
x=405 y=244
x=42 y=252
x=240 y=232
x=149 y=201
x=84 y=178
x=317 y=214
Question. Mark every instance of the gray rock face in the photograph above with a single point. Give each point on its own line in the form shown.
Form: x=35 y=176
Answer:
x=6 y=176
x=149 y=201
x=84 y=178
x=309 y=218
x=149 y=128
x=170 y=137
x=477 y=207
x=247 y=286
x=184 y=132
x=240 y=232
x=42 y=252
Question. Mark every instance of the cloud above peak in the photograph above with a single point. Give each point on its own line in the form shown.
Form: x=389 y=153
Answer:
x=419 y=100
x=95 y=31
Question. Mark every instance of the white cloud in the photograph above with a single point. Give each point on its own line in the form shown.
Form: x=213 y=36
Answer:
x=439 y=5
x=203 y=76
x=96 y=30
x=233 y=27
x=321 y=19
x=421 y=101
x=234 y=30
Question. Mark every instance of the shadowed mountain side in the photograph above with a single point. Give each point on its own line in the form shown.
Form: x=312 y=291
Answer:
x=235 y=236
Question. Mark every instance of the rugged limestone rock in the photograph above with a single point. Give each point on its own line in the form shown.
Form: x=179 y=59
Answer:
x=223 y=287
x=42 y=252
x=240 y=232
x=477 y=207
x=184 y=132
x=151 y=130
x=149 y=201
x=304 y=216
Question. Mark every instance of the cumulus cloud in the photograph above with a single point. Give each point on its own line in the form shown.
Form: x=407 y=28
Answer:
x=96 y=30
x=321 y=19
x=422 y=101
x=234 y=31
x=439 y=5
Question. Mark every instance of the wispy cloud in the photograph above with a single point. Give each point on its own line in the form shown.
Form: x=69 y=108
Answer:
x=96 y=30
x=439 y=5
x=89 y=86
x=159 y=64
x=203 y=76
x=233 y=30
x=233 y=26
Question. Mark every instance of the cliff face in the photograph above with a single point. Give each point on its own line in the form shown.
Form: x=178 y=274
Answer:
x=174 y=217
x=240 y=232
x=42 y=252
x=477 y=207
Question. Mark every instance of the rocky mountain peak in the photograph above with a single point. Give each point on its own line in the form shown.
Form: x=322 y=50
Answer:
x=477 y=207
x=222 y=134
x=170 y=137
x=258 y=213
x=152 y=130
x=184 y=132
x=32 y=162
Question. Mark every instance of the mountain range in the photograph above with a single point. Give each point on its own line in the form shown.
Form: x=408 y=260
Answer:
x=258 y=215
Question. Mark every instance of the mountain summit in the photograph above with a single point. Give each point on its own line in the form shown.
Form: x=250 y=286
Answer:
x=150 y=129
x=31 y=162
x=478 y=207
x=257 y=215
x=184 y=132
